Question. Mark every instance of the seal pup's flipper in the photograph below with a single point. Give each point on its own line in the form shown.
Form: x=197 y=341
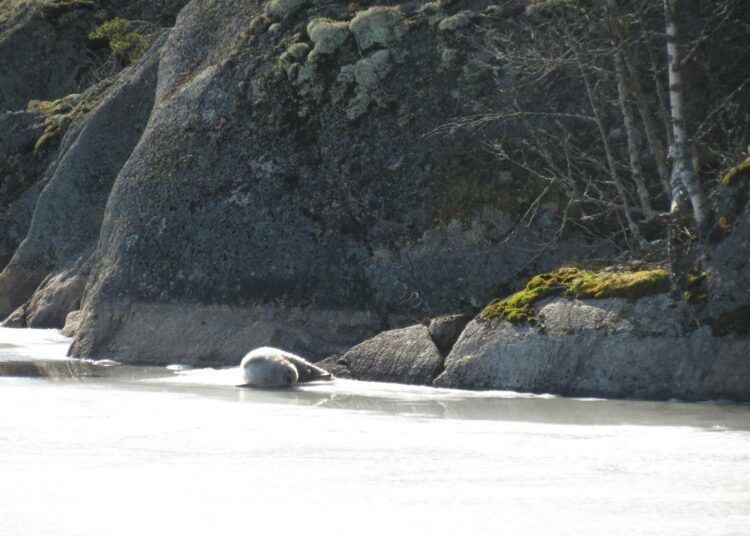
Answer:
x=306 y=371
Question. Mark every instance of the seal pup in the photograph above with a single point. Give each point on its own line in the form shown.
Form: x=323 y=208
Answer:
x=273 y=367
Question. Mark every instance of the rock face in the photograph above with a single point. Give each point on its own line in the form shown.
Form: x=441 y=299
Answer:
x=49 y=269
x=406 y=355
x=285 y=168
x=52 y=41
x=21 y=172
x=610 y=347
x=45 y=49
x=728 y=267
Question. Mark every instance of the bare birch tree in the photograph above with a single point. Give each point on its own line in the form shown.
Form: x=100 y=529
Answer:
x=596 y=91
x=684 y=177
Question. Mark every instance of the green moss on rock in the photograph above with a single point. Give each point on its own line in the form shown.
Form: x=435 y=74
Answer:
x=127 y=45
x=59 y=113
x=571 y=282
x=694 y=287
x=62 y=112
x=730 y=200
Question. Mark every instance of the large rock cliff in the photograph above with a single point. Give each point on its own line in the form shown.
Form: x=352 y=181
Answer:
x=270 y=173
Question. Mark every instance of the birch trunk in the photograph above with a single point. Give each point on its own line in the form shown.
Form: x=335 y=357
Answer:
x=683 y=173
x=623 y=97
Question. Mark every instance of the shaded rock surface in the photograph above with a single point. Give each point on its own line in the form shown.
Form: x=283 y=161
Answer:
x=406 y=355
x=49 y=269
x=21 y=172
x=727 y=268
x=336 y=365
x=54 y=299
x=72 y=321
x=445 y=330
x=302 y=183
x=16 y=319
x=210 y=335
x=45 y=50
x=609 y=347
x=42 y=52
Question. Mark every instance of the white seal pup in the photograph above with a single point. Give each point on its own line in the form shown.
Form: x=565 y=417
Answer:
x=272 y=367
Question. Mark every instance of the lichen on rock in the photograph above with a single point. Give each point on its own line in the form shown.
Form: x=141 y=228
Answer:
x=366 y=73
x=327 y=35
x=283 y=9
x=455 y=22
x=378 y=25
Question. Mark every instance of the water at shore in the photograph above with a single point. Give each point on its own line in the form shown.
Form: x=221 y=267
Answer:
x=88 y=449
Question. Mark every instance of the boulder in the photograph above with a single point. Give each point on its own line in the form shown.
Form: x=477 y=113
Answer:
x=446 y=329
x=406 y=355
x=609 y=347
x=212 y=335
x=16 y=319
x=337 y=366
x=56 y=296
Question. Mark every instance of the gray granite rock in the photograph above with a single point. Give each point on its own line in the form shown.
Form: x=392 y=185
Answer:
x=72 y=322
x=610 y=348
x=69 y=211
x=16 y=319
x=336 y=365
x=406 y=355
x=446 y=329
x=56 y=296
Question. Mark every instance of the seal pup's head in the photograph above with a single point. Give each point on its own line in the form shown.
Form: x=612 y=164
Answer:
x=264 y=367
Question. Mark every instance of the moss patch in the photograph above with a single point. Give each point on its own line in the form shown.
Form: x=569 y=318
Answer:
x=127 y=45
x=571 y=282
x=731 y=200
x=63 y=111
x=59 y=114
x=694 y=288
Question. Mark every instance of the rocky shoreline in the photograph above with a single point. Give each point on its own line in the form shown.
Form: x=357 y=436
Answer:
x=609 y=348
x=610 y=333
x=181 y=182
